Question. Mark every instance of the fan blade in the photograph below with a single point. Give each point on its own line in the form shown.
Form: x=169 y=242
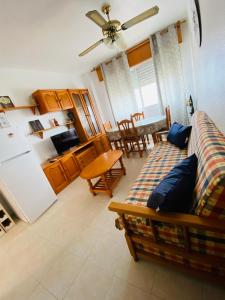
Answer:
x=91 y=47
x=145 y=15
x=95 y=16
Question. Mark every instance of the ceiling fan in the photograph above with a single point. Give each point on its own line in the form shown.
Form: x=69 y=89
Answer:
x=111 y=28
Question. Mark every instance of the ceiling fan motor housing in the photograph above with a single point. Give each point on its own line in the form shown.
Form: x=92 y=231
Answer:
x=111 y=29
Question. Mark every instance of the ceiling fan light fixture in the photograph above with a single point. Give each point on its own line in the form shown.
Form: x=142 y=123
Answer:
x=110 y=43
x=116 y=44
x=110 y=28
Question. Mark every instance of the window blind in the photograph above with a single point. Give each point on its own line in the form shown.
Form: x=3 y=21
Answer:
x=145 y=73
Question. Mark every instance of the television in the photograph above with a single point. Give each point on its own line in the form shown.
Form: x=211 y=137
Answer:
x=65 y=140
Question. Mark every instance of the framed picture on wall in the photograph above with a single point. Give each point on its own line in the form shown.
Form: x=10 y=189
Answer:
x=6 y=102
x=196 y=21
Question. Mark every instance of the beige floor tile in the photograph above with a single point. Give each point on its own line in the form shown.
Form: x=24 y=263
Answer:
x=61 y=275
x=108 y=251
x=139 y=274
x=16 y=286
x=122 y=290
x=92 y=283
x=41 y=294
x=83 y=244
x=169 y=284
x=35 y=259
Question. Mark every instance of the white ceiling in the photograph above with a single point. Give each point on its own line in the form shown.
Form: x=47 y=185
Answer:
x=49 y=34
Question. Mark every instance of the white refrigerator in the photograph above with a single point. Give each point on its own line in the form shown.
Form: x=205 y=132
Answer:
x=22 y=181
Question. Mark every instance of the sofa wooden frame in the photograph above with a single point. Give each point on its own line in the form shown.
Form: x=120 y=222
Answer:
x=184 y=220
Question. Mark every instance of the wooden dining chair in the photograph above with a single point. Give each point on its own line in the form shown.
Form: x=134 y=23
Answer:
x=137 y=117
x=117 y=143
x=107 y=125
x=168 y=117
x=131 y=140
x=158 y=136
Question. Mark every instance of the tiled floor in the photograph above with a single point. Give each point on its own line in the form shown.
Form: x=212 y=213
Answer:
x=74 y=252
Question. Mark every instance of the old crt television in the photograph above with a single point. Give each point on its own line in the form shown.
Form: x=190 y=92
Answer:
x=65 y=140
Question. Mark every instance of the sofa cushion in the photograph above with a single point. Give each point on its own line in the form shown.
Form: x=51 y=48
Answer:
x=161 y=160
x=179 y=134
x=208 y=143
x=175 y=192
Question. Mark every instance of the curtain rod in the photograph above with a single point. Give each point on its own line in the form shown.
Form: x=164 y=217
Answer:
x=162 y=31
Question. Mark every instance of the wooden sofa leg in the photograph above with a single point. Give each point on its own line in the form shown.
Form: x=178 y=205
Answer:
x=131 y=247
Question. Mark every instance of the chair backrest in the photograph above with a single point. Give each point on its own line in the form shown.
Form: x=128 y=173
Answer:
x=168 y=117
x=107 y=125
x=127 y=128
x=137 y=116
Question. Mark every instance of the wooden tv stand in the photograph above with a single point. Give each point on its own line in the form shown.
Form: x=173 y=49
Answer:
x=63 y=169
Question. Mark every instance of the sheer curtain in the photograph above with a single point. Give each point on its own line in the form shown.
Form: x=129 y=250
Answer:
x=120 y=88
x=169 y=73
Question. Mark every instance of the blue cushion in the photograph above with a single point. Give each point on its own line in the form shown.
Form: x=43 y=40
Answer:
x=175 y=192
x=179 y=134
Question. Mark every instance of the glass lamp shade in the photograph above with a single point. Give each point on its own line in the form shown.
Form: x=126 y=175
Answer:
x=118 y=44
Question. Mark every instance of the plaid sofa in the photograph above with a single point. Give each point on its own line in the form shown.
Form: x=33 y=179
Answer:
x=208 y=143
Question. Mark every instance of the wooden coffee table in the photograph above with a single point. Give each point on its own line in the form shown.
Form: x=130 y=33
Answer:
x=102 y=167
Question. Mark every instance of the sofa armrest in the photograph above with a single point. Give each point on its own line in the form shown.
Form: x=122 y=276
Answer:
x=160 y=134
x=173 y=218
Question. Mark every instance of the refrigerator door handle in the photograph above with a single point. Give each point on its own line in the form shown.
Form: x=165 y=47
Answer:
x=14 y=157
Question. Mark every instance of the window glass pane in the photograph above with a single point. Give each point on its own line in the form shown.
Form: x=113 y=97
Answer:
x=150 y=94
x=146 y=90
x=138 y=98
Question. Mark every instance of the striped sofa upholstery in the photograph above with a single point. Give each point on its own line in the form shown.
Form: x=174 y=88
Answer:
x=209 y=145
x=209 y=200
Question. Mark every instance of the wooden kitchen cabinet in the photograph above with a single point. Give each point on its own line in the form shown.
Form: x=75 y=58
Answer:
x=87 y=121
x=91 y=112
x=70 y=166
x=47 y=101
x=64 y=169
x=56 y=176
x=64 y=99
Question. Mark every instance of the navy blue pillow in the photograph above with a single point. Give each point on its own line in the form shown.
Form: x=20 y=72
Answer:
x=179 y=134
x=175 y=192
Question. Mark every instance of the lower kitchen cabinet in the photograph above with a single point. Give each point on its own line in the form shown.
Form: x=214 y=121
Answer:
x=70 y=167
x=56 y=176
x=67 y=167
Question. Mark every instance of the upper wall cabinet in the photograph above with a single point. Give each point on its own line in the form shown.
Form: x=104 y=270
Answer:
x=52 y=100
x=86 y=118
x=64 y=99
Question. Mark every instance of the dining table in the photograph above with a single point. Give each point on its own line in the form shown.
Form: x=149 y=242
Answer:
x=145 y=126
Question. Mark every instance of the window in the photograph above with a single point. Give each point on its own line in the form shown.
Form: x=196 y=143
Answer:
x=146 y=90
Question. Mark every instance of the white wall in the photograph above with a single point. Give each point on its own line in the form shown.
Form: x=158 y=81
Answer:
x=19 y=85
x=186 y=57
x=209 y=61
